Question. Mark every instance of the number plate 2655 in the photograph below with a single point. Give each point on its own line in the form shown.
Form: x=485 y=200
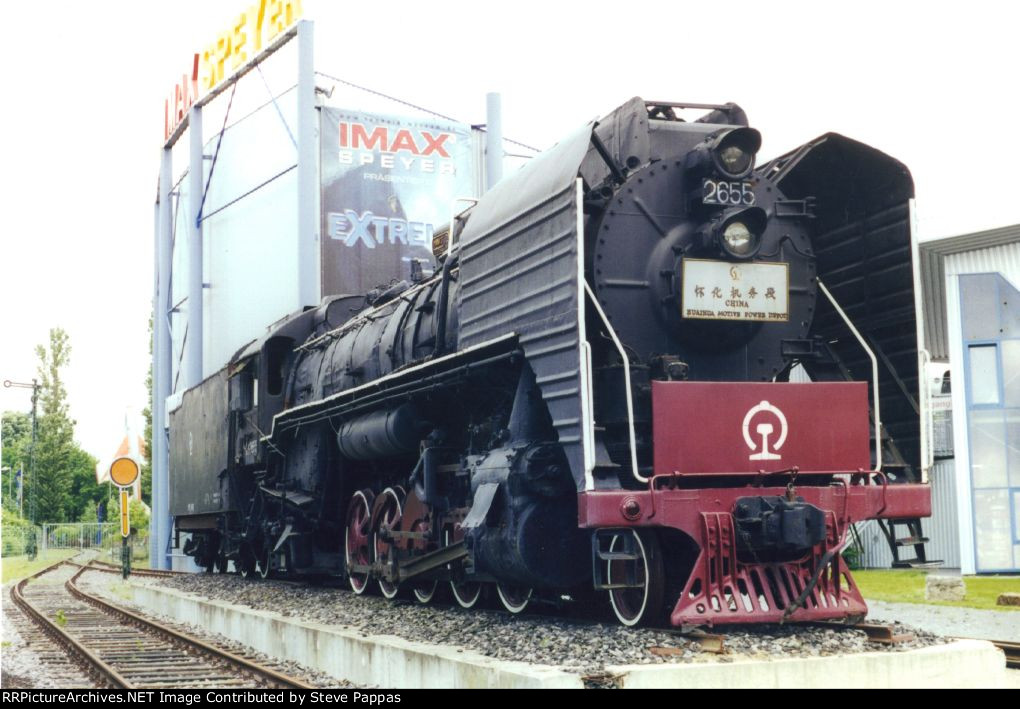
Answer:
x=740 y=194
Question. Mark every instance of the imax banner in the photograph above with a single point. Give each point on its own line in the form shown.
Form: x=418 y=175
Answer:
x=388 y=183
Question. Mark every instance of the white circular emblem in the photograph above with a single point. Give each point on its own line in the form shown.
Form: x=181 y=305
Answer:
x=764 y=430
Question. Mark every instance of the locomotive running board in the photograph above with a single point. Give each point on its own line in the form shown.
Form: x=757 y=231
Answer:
x=496 y=349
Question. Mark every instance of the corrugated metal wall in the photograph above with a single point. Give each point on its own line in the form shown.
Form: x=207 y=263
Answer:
x=1003 y=259
x=942 y=527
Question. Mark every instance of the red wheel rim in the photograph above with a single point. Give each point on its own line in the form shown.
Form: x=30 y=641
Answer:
x=357 y=549
x=387 y=517
x=424 y=590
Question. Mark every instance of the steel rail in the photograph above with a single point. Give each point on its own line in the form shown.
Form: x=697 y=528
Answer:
x=95 y=665
x=107 y=567
x=110 y=675
x=1010 y=649
x=176 y=636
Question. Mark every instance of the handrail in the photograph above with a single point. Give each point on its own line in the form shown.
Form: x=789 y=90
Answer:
x=586 y=388
x=587 y=415
x=927 y=425
x=626 y=382
x=453 y=220
x=874 y=372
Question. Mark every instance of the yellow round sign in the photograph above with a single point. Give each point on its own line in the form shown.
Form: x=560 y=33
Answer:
x=123 y=472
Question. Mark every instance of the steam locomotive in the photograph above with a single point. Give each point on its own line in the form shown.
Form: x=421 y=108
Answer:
x=645 y=365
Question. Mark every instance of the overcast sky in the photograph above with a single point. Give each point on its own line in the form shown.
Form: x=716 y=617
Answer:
x=933 y=84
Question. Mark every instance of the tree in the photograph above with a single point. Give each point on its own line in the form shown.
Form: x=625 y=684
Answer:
x=146 y=469
x=65 y=482
x=138 y=516
x=85 y=492
x=53 y=394
x=51 y=486
x=17 y=437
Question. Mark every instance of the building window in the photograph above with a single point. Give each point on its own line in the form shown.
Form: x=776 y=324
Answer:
x=992 y=352
x=984 y=374
x=1011 y=372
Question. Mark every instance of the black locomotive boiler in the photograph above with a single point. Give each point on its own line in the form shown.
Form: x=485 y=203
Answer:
x=645 y=364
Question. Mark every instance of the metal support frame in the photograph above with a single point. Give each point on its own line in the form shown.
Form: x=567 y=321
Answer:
x=493 y=140
x=308 y=258
x=196 y=172
x=161 y=356
x=309 y=285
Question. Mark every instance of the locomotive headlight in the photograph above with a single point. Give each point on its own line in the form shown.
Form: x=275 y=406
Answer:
x=733 y=152
x=734 y=160
x=739 y=239
x=739 y=234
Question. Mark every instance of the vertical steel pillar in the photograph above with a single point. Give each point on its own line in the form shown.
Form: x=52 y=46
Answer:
x=309 y=280
x=194 y=373
x=493 y=139
x=159 y=528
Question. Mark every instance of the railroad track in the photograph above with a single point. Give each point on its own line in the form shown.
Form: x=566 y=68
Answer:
x=1012 y=652
x=122 y=649
x=886 y=635
x=98 y=565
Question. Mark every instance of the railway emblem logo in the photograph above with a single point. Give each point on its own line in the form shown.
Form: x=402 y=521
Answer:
x=765 y=429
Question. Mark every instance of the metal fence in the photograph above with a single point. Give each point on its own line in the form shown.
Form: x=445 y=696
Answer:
x=102 y=537
x=16 y=541
x=84 y=535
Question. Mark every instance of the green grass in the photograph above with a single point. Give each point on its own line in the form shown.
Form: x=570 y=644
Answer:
x=907 y=586
x=139 y=557
x=18 y=567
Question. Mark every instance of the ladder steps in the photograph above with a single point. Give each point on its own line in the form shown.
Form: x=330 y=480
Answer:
x=911 y=541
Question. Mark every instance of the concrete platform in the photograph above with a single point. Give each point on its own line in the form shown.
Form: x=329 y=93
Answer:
x=392 y=662
x=966 y=664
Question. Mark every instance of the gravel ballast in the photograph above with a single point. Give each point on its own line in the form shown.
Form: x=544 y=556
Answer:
x=583 y=646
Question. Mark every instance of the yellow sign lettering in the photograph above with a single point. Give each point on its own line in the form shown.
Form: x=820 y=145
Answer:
x=222 y=56
x=251 y=32
x=258 y=17
x=240 y=39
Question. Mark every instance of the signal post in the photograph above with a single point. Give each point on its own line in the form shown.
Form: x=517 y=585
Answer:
x=124 y=473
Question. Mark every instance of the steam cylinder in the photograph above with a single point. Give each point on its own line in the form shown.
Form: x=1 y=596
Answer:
x=380 y=434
